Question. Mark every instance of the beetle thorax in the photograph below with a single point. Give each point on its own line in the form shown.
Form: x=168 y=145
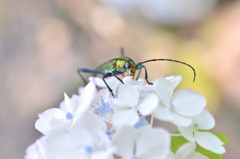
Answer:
x=125 y=65
x=120 y=66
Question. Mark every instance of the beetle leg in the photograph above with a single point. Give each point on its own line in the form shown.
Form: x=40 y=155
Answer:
x=117 y=77
x=146 y=76
x=110 y=90
x=139 y=72
x=79 y=70
x=83 y=79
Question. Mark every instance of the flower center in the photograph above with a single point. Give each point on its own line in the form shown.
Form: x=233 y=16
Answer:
x=69 y=116
x=88 y=149
x=108 y=132
x=172 y=106
x=104 y=108
x=133 y=157
x=141 y=123
x=195 y=125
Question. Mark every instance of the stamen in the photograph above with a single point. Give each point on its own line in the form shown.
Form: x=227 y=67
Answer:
x=69 y=116
x=104 y=108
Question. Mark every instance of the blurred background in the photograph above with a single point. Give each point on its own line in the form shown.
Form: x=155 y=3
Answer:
x=43 y=42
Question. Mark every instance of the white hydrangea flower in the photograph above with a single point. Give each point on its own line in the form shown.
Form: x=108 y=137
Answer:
x=101 y=105
x=75 y=143
x=69 y=112
x=175 y=80
x=124 y=109
x=143 y=143
x=35 y=151
x=86 y=139
x=112 y=82
x=180 y=107
x=187 y=151
x=207 y=140
x=99 y=126
x=129 y=105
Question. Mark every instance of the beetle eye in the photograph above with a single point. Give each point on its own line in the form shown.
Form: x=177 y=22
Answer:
x=127 y=65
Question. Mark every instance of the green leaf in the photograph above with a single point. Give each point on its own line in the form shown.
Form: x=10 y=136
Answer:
x=178 y=141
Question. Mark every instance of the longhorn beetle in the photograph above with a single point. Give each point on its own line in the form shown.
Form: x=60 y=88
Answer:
x=121 y=65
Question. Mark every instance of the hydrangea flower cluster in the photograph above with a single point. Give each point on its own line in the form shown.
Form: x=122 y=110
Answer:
x=95 y=125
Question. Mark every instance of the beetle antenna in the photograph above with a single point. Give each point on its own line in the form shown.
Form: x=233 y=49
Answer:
x=122 y=52
x=194 y=72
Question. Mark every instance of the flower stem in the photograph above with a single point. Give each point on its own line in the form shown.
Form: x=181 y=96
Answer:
x=151 y=121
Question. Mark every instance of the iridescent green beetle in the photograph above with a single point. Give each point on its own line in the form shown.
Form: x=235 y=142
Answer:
x=121 y=65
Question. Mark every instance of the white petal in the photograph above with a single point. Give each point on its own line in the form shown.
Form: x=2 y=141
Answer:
x=162 y=113
x=92 y=123
x=86 y=98
x=123 y=140
x=31 y=152
x=108 y=117
x=74 y=101
x=103 y=140
x=209 y=141
x=129 y=81
x=115 y=102
x=196 y=155
x=164 y=89
x=147 y=87
x=153 y=143
x=63 y=107
x=80 y=90
x=67 y=103
x=187 y=133
x=175 y=80
x=170 y=155
x=78 y=136
x=62 y=143
x=112 y=82
x=103 y=94
x=149 y=104
x=98 y=81
x=188 y=103
x=185 y=150
x=43 y=124
x=125 y=117
x=59 y=123
x=180 y=120
x=128 y=95
x=104 y=154
x=205 y=120
x=40 y=148
x=35 y=151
